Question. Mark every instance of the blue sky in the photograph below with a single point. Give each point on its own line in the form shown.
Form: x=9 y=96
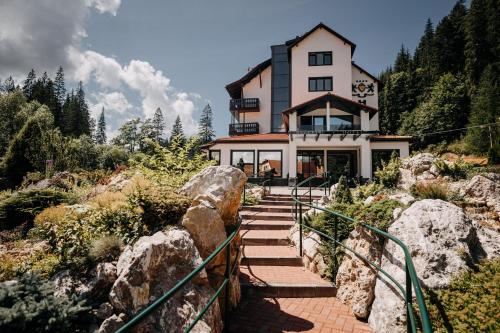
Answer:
x=180 y=54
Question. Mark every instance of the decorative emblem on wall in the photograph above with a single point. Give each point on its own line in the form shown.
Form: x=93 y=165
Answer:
x=361 y=88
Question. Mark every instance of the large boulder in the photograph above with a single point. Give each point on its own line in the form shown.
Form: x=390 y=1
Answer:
x=485 y=188
x=221 y=186
x=436 y=233
x=312 y=258
x=355 y=278
x=151 y=267
x=417 y=168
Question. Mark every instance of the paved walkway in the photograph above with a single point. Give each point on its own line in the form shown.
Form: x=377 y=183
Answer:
x=279 y=294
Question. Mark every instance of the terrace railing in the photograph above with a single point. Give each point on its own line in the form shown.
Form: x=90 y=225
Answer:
x=243 y=129
x=412 y=281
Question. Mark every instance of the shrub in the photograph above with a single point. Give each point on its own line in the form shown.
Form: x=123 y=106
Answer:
x=107 y=248
x=112 y=156
x=364 y=191
x=388 y=175
x=29 y=305
x=456 y=170
x=22 y=207
x=431 y=190
x=342 y=192
x=32 y=178
x=250 y=199
x=470 y=303
x=94 y=177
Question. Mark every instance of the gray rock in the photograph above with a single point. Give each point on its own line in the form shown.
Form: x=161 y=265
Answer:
x=220 y=185
x=356 y=279
x=151 y=267
x=487 y=188
x=419 y=163
x=435 y=232
x=104 y=311
x=112 y=324
x=403 y=197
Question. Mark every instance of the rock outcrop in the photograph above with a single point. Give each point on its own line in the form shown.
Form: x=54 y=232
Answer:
x=312 y=257
x=436 y=233
x=417 y=168
x=221 y=186
x=355 y=278
x=151 y=267
x=485 y=188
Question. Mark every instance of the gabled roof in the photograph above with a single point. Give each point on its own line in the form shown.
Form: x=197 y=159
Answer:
x=234 y=88
x=390 y=138
x=364 y=71
x=321 y=25
x=331 y=97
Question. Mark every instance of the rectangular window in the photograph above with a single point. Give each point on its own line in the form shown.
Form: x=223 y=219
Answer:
x=270 y=163
x=320 y=83
x=243 y=160
x=214 y=155
x=320 y=58
x=341 y=123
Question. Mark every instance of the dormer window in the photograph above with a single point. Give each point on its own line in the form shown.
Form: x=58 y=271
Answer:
x=320 y=58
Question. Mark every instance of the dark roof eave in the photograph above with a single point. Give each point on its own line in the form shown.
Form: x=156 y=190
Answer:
x=234 y=88
x=321 y=25
x=333 y=96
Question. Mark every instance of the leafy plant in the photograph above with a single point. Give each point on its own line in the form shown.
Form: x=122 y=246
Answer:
x=364 y=191
x=470 y=303
x=456 y=170
x=29 y=305
x=22 y=207
x=250 y=199
x=106 y=248
x=430 y=190
x=388 y=175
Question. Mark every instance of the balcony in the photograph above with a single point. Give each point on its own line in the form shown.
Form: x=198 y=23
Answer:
x=333 y=128
x=243 y=129
x=244 y=105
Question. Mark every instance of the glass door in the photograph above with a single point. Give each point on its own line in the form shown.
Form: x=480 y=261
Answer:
x=341 y=162
x=309 y=163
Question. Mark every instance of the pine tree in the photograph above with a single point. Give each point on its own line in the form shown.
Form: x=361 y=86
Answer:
x=60 y=95
x=486 y=109
x=28 y=85
x=100 y=136
x=449 y=40
x=177 y=130
x=158 y=124
x=9 y=85
x=82 y=124
x=403 y=62
x=128 y=136
x=206 y=132
x=425 y=52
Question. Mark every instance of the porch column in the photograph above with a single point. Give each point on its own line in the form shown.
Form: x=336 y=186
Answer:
x=365 y=120
x=366 y=160
x=328 y=115
x=292 y=160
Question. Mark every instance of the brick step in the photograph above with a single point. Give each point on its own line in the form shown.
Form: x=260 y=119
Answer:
x=276 y=202
x=266 y=225
x=284 y=281
x=264 y=237
x=270 y=256
x=268 y=208
x=279 y=216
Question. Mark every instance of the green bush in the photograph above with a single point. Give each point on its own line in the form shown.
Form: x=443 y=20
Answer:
x=342 y=192
x=364 y=191
x=107 y=248
x=388 y=175
x=432 y=190
x=29 y=305
x=457 y=170
x=22 y=207
x=470 y=303
x=32 y=178
x=250 y=199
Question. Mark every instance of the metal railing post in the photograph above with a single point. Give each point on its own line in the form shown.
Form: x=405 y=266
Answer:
x=244 y=194
x=300 y=229
x=324 y=182
x=310 y=190
x=227 y=275
x=408 y=299
x=335 y=235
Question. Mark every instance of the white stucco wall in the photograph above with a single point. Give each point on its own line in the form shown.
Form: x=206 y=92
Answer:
x=403 y=146
x=340 y=70
x=253 y=90
x=360 y=77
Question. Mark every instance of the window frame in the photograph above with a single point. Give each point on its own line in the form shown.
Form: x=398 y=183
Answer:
x=242 y=151
x=271 y=151
x=342 y=117
x=210 y=155
x=315 y=79
x=314 y=54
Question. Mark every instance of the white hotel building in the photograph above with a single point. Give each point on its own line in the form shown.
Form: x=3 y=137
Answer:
x=306 y=110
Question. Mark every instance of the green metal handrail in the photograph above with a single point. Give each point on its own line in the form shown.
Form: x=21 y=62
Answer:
x=411 y=275
x=169 y=294
x=263 y=184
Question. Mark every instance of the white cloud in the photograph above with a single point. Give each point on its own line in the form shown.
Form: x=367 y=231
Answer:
x=45 y=34
x=103 y=6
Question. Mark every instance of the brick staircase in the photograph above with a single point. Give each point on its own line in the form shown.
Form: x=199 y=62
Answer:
x=270 y=266
x=278 y=293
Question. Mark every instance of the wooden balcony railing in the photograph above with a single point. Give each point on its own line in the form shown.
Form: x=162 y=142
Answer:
x=244 y=104
x=243 y=129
